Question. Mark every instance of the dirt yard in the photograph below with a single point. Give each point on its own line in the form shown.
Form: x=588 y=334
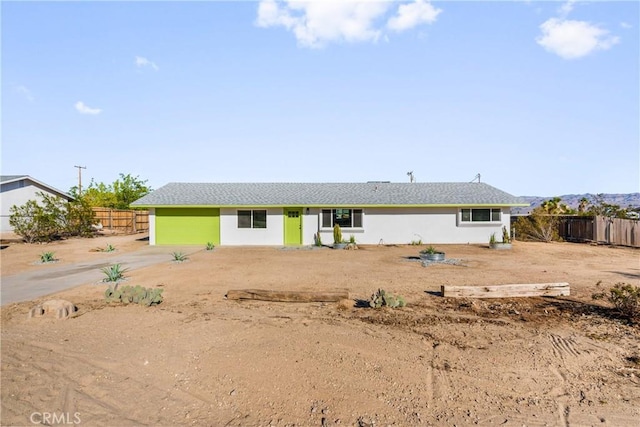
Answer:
x=199 y=359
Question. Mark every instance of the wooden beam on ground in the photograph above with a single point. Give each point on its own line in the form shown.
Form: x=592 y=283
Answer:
x=288 y=296
x=507 y=291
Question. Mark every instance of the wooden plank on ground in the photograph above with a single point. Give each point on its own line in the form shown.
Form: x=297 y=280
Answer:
x=288 y=296
x=507 y=291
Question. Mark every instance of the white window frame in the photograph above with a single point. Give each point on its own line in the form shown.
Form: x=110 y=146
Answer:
x=470 y=221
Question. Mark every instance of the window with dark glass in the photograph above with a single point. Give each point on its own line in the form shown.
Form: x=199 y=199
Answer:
x=346 y=218
x=252 y=219
x=260 y=219
x=244 y=219
x=480 y=215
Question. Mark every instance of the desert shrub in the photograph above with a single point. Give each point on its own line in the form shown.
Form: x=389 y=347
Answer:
x=51 y=217
x=34 y=223
x=133 y=294
x=109 y=248
x=113 y=273
x=624 y=297
x=210 y=246
x=385 y=299
x=79 y=218
x=538 y=226
x=47 y=257
x=179 y=256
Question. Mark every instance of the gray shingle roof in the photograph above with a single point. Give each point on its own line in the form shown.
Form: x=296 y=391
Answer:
x=327 y=194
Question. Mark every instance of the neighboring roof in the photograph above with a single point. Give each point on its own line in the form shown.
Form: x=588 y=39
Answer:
x=7 y=179
x=328 y=194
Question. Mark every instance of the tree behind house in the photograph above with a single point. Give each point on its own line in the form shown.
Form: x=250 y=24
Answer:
x=118 y=195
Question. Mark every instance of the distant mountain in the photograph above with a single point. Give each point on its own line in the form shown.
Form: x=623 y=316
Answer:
x=573 y=200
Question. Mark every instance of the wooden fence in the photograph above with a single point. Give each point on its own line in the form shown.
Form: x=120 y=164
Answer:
x=124 y=221
x=601 y=229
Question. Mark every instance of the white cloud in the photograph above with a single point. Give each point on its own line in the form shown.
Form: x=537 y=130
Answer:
x=84 y=109
x=141 y=61
x=24 y=91
x=625 y=25
x=317 y=23
x=566 y=8
x=573 y=39
x=412 y=15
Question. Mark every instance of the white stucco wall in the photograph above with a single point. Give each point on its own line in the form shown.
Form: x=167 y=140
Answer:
x=230 y=234
x=404 y=225
x=15 y=194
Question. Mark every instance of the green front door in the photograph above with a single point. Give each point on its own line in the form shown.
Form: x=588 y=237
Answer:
x=187 y=226
x=292 y=226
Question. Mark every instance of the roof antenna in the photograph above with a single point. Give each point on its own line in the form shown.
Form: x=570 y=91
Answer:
x=476 y=177
x=411 y=177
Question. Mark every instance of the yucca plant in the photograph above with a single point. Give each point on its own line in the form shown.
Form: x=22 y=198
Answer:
x=110 y=248
x=179 y=256
x=113 y=273
x=47 y=257
x=210 y=246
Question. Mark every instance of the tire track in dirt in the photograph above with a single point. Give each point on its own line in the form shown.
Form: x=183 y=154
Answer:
x=95 y=388
x=563 y=347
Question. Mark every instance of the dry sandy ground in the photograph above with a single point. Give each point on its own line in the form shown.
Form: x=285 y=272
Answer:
x=199 y=359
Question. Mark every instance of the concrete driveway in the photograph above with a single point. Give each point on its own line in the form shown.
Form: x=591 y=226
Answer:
x=34 y=284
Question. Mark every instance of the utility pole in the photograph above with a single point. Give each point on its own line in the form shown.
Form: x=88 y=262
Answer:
x=80 y=178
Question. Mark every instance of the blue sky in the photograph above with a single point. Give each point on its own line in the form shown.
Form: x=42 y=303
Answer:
x=540 y=98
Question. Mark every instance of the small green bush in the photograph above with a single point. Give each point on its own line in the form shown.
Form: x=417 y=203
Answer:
x=133 y=294
x=47 y=257
x=430 y=250
x=179 y=256
x=385 y=299
x=114 y=273
x=210 y=246
x=109 y=248
x=624 y=297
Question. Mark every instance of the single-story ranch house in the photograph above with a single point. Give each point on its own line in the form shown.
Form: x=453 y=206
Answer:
x=17 y=190
x=293 y=213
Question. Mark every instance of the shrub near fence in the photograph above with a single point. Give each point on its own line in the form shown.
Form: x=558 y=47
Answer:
x=124 y=221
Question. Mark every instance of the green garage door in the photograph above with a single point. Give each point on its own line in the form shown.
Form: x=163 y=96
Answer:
x=187 y=226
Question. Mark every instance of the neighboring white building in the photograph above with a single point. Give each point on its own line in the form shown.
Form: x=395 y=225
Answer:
x=17 y=190
x=294 y=213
